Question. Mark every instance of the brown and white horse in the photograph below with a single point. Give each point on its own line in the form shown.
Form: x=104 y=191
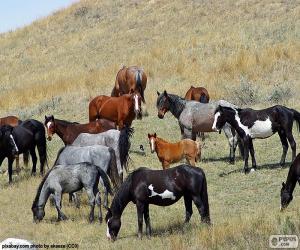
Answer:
x=129 y=79
x=168 y=153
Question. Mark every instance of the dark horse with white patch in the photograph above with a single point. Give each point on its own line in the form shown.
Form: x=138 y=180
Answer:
x=289 y=186
x=159 y=187
x=18 y=140
x=251 y=124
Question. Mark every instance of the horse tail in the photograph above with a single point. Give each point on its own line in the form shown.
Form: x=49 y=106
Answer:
x=105 y=180
x=204 y=197
x=138 y=82
x=124 y=145
x=297 y=118
x=203 y=98
x=198 y=154
x=113 y=170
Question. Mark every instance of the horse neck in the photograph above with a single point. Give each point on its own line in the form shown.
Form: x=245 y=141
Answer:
x=121 y=199
x=291 y=181
x=177 y=104
x=42 y=196
x=231 y=119
x=60 y=127
x=160 y=143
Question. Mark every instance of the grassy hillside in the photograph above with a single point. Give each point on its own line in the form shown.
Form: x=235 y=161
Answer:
x=244 y=51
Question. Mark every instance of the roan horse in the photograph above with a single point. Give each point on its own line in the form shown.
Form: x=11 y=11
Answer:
x=194 y=117
x=159 y=187
x=168 y=153
x=251 y=124
x=199 y=94
x=289 y=186
x=23 y=138
x=130 y=79
x=68 y=131
x=68 y=179
x=122 y=110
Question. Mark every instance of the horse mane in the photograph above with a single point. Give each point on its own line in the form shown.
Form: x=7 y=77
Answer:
x=58 y=154
x=64 y=122
x=6 y=128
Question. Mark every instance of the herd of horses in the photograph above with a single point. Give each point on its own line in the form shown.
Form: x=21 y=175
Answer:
x=98 y=151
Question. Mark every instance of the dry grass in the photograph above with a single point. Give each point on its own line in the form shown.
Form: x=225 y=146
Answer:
x=58 y=63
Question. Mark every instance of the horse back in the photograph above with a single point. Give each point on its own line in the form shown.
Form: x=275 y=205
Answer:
x=10 y=120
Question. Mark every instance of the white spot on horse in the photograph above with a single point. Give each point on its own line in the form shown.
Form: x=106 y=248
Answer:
x=48 y=125
x=107 y=231
x=165 y=195
x=152 y=143
x=136 y=102
x=215 y=121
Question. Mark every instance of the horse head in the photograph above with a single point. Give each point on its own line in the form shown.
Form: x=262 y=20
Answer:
x=152 y=142
x=162 y=104
x=136 y=99
x=50 y=126
x=286 y=197
x=6 y=142
x=113 y=225
x=38 y=213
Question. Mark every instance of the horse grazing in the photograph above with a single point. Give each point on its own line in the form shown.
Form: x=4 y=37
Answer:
x=21 y=139
x=66 y=179
x=194 y=117
x=130 y=79
x=159 y=187
x=289 y=186
x=101 y=156
x=68 y=131
x=117 y=140
x=251 y=124
x=168 y=153
x=122 y=110
x=199 y=94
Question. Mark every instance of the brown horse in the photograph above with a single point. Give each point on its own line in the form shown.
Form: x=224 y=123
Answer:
x=14 y=121
x=68 y=131
x=199 y=94
x=129 y=79
x=168 y=153
x=122 y=110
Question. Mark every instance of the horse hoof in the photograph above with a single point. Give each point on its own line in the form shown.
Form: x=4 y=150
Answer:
x=252 y=170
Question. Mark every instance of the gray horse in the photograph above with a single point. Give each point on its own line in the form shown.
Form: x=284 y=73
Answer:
x=66 y=179
x=194 y=117
x=118 y=140
x=99 y=155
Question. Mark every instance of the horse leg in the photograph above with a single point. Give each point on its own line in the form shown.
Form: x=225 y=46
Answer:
x=18 y=169
x=43 y=156
x=232 y=141
x=251 y=148
x=202 y=208
x=285 y=147
x=292 y=142
x=147 y=220
x=98 y=202
x=34 y=160
x=246 y=151
x=60 y=214
x=140 y=211
x=91 y=194
x=10 y=168
x=188 y=208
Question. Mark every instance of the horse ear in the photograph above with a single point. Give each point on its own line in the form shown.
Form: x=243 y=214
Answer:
x=154 y=135
x=149 y=136
x=220 y=108
x=52 y=117
x=165 y=93
x=45 y=117
x=158 y=94
x=283 y=184
x=131 y=91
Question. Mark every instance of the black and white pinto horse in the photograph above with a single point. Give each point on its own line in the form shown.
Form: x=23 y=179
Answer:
x=194 y=117
x=251 y=124
x=68 y=179
x=291 y=181
x=162 y=188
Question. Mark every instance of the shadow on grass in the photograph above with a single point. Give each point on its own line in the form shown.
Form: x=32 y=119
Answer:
x=264 y=166
x=138 y=152
x=225 y=159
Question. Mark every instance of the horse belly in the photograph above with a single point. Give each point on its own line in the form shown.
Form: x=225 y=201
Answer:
x=204 y=126
x=261 y=129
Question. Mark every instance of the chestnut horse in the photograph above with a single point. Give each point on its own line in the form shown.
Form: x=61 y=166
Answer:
x=199 y=94
x=129 y=79
x=122 y=110
x=168 y=153
x=68 y=131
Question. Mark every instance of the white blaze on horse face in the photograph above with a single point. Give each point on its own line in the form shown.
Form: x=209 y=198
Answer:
x=215 y=121
x=136 y=102
x=107 y=231
x=165 y=195
x=48 y=125
x=152 y=143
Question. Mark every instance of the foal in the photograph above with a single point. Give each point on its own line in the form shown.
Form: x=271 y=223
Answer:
x=168 y=153
x=162 y=188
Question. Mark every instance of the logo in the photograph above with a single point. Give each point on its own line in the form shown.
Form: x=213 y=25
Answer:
x=283 y=241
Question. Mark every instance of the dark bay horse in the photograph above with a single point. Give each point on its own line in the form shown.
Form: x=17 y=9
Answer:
x=198 y=94
x=289 y=186
x=122 y=110
x=162 y=188
x=194 y=117
x=68 y=179
x=68 y=131
x=251 y=124
x=129 y=79
x=23 y=138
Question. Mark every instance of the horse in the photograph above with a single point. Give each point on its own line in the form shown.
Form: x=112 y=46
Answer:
x=101 y=156
x=194 y=117
x=117 y=140
x=66 y=179
x=288 y=187
x=168 y=153
x=130 y=79
x=21 y=139
x=68 y=131
x=122 y=110
x=199 y=94
x=15 y=121
x=251 y=124
x=159 y=187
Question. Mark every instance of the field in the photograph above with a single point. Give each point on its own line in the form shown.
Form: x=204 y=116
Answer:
x=247 y=52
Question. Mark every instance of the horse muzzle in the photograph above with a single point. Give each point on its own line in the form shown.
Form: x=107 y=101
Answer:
x=49 y=138
x=160 y=115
